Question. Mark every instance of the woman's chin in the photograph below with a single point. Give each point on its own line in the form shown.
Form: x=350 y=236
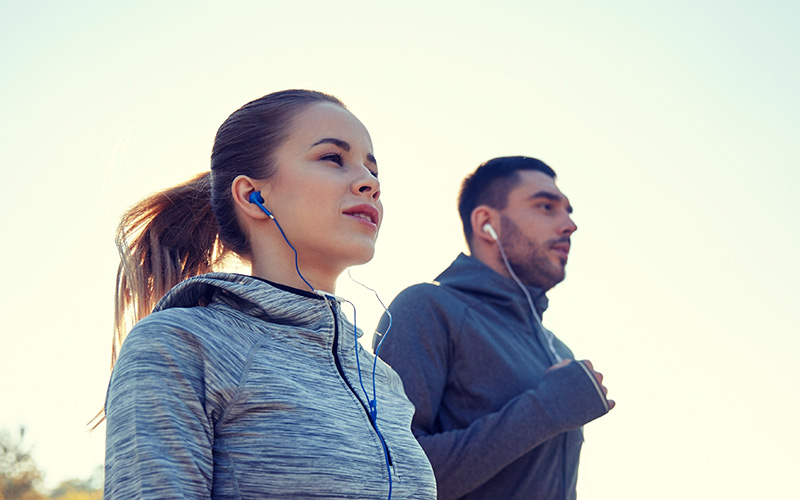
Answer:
x=361 y=255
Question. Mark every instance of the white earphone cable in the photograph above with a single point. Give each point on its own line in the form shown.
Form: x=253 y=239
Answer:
x=548 y=334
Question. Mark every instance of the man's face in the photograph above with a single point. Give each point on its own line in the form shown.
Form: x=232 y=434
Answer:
x=535 y=229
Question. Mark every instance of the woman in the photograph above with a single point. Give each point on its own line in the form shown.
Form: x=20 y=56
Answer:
x=251 y=386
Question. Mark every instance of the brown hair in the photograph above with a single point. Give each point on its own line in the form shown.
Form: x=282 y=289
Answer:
x=188 y=229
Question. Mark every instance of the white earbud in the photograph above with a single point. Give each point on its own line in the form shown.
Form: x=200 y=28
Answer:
x=488 y=229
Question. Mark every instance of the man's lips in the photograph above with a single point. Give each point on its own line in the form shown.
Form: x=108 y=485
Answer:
x=561 y=248
x=365 y=212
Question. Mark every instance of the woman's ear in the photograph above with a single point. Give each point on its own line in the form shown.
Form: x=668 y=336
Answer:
x=250 y=197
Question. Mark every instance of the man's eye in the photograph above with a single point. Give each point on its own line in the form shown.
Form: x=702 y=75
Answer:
x=334 y=157
x=546 y=206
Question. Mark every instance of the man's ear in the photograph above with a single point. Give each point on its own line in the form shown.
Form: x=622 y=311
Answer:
x=482 y=215
x=242 y=189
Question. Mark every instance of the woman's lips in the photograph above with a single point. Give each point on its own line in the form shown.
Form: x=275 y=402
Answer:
x=365 y=214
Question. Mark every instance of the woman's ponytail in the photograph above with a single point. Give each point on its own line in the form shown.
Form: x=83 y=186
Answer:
x=162 y=240
x=191 y=228
x=188 y=229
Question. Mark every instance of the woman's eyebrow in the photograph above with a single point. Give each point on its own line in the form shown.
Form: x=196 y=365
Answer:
x=343 y=145
x=330 y=140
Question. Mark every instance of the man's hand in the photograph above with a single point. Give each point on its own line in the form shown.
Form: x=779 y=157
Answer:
x=597 y=375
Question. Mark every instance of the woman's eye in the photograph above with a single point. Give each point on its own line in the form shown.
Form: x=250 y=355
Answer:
x=334 y=157
x=374 y=173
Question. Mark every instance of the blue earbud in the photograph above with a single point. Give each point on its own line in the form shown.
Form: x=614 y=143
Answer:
x=257 y=199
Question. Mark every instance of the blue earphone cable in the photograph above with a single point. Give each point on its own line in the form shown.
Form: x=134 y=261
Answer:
x=373 y=403
x=256 y=199
x=383 y=337
x=296 y=265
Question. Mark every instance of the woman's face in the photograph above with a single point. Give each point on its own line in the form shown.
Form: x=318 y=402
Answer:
x=325 y=191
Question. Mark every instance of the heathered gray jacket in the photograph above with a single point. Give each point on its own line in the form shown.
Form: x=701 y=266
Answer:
x=495 y=422
x=237 y=388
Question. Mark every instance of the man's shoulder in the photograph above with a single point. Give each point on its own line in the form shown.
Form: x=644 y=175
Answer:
x=420 y=290
x=433 y=296
x=431 y=290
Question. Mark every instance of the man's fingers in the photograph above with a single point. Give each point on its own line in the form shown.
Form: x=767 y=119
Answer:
x=599 y=377
x=561 y=364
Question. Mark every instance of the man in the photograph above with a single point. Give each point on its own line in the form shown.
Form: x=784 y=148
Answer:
x=500 y=402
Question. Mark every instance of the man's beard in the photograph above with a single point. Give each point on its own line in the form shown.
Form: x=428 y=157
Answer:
x=528 y=259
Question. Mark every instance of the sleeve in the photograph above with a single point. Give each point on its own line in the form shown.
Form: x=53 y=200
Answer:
x=158 y=438
x=419 y=349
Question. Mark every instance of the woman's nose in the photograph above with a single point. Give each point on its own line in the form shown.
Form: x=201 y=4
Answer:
x=367 y=183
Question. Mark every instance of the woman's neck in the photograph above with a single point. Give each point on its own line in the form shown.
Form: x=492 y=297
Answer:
x=289 y=276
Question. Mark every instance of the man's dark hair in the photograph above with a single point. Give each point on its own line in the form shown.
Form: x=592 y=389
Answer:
x=490 y=184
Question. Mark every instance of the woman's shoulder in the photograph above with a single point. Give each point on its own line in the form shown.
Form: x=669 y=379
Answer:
x=187 y=332
x=177 y=330
x=198 y=320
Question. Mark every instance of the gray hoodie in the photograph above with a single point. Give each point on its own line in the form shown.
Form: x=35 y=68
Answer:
x=493 y=418
x=237 y=388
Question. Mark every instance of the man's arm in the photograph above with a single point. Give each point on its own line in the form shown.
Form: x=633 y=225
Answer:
x=418 y=348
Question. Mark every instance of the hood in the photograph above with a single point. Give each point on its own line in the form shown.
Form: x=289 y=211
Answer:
x=255 y=297
x=475 y=278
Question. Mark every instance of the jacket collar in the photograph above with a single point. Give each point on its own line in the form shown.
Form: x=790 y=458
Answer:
x=476 y=278
x=253 y=296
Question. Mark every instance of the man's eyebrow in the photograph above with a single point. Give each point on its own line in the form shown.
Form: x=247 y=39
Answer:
x=343 y=145
x=553 y=197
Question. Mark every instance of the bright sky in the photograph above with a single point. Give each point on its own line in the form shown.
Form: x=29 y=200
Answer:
x=673 y=127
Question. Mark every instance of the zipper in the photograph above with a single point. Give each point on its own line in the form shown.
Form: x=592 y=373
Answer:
x=340 y=369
